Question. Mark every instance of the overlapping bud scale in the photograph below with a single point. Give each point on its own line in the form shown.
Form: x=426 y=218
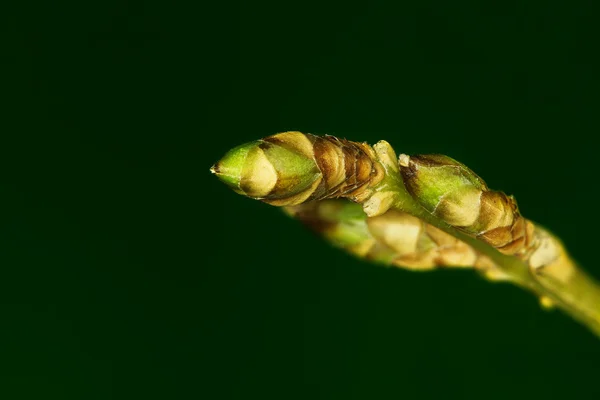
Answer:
x=292 y=167
x=454 y=193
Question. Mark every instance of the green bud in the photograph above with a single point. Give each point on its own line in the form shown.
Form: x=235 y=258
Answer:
x=290 y=168
x=229 y=168
x=443 y=186
x=275 y=168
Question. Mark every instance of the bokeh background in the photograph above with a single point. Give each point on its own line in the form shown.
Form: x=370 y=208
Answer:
x=127 y=271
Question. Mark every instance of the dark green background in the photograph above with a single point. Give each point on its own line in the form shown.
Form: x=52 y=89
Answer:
x=127 y=271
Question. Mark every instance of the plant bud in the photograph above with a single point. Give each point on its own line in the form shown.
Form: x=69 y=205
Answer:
x=438 y=181
x=454 y=193
x=292 y=167
x=393 y=238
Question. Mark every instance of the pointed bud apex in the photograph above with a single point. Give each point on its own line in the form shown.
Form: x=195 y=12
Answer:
x=270 y=169
x=229 y=168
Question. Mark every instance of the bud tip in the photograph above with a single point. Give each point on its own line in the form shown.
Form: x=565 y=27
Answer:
x=403 y=160
x=229 y=168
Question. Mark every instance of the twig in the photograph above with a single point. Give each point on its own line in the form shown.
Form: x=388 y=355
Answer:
x=418 y=212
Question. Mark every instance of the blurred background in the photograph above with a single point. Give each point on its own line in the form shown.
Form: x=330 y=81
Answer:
x=128 y=271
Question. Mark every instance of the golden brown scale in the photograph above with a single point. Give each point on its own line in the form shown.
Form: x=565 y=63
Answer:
x=347 y=167
x=500 y=223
